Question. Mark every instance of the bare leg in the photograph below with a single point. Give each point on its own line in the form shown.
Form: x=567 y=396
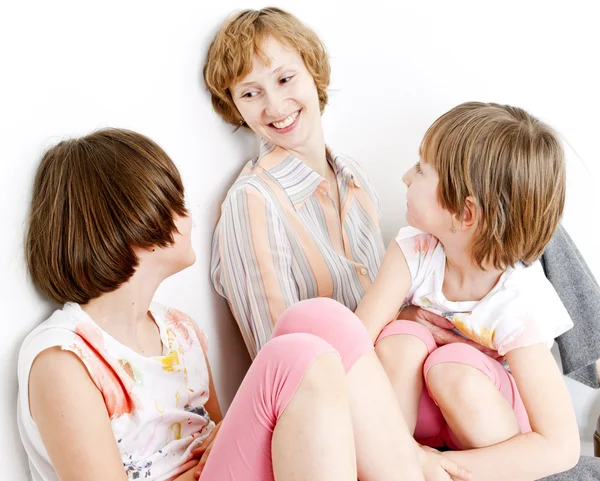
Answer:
x=313 y=439
x=474 y=409
x=385 y=449
x=402 y=357
x=384 y=446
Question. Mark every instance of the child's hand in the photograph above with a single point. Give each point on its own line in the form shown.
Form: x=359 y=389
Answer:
x=440 y=468
x=204 y=450
x=440 y=329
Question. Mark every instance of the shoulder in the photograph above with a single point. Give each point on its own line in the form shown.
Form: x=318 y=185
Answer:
x=354 y=165
x=529 y=308
x=414 y=241
x=56 y=331
x=180 y=323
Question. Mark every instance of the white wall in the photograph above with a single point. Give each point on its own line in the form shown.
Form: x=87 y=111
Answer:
x=70 y=67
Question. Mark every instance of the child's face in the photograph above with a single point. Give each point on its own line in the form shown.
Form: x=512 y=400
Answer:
x=180 y=254
x=423 y=209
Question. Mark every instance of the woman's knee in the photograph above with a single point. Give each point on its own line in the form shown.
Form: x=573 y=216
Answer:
x=290 y=360
x=330 y=321
x=315 y=315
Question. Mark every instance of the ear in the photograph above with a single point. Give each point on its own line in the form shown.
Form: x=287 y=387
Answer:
x=469 y=214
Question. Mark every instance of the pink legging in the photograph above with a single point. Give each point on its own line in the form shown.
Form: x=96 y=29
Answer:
x=431 y=428
x=307 y=330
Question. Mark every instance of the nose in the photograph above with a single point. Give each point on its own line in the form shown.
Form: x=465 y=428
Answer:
x=407 y=177
x=275 y=105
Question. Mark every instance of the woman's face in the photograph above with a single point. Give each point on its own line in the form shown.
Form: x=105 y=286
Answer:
x=279 y=101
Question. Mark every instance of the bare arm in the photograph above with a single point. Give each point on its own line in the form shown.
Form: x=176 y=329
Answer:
x=212 y=406
x=69 y=411
x=384 y=298
x=552 y=446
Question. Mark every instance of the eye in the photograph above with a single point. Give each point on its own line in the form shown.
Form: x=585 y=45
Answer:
x=249 y=95
x=286 y=80
x=418 y=168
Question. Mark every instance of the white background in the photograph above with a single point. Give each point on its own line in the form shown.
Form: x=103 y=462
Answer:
x=70 y=67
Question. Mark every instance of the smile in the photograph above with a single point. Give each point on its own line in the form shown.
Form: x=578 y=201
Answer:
x=287 y=123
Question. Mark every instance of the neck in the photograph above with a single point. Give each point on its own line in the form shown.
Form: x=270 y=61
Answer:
x=313 y=153
x=465 y=279
x=121 y=310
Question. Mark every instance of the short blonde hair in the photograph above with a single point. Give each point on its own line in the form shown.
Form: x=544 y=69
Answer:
x=95 y=199
x=512 y=165
x=240 y=37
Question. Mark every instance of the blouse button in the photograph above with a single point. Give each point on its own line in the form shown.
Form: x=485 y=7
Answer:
x=364 y=271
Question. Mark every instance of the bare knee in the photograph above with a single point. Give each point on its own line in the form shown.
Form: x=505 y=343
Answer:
x=454 y=380
x=325 y=378
x=401 y=350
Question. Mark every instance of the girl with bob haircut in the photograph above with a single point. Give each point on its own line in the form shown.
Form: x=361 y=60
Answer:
x=483 y=202
x=114 y=386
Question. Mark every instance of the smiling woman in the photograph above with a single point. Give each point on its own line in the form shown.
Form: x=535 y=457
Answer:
x=300 y=221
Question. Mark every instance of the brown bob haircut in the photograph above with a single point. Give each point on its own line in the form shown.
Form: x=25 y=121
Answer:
x=95 y=199
x=512 y=165
x=230 y=54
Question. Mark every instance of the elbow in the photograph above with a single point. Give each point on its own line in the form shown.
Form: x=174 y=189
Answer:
x=566 y=452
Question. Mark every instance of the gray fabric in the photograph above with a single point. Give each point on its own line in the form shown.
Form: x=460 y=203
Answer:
x=579 y=292
x=588 y=469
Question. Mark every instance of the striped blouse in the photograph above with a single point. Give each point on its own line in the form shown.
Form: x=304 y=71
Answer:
x=281 y=239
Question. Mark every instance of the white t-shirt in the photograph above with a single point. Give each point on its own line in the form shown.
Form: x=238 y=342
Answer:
x=521 y=310
x=155 y=404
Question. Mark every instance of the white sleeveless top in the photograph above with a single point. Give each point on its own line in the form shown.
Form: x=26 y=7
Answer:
x=155 y=404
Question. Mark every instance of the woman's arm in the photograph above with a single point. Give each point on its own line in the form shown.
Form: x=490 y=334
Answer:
x=553 y=445
x=69 y=412
x=251 y=265
x=384 y=298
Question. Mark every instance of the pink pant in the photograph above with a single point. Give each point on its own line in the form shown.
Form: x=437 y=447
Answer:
x=307 y=330
x=431 y=429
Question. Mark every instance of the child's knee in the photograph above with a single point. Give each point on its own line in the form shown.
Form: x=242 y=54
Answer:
x=405 y=335
x=456 y=367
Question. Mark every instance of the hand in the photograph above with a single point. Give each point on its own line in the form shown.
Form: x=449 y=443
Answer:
x=440 y=468
x=440 y=329
x=203 y=451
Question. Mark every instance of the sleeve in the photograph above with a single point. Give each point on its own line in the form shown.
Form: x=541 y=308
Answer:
x=251 y=265
x=535 y=315
x=577 y=288
x=418 y=248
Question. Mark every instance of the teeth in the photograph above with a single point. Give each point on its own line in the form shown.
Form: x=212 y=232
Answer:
x=287 y=122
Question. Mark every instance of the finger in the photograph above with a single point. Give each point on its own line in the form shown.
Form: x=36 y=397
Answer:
x=435 y=319
x=448 y=337
x=199 y=451
x=455 y=470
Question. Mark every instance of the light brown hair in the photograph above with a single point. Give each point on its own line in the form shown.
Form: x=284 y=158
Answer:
x=512 y=165
x=95 y=199
x=240 y=37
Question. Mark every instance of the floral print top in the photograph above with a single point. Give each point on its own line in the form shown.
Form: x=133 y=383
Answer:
x=155 y=404
x=521 y=310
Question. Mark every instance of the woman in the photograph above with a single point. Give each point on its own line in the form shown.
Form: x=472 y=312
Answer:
x=303 y=222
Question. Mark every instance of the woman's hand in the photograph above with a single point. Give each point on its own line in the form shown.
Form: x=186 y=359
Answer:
x=440 y=329
x=440 y=468
x=203 y=451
